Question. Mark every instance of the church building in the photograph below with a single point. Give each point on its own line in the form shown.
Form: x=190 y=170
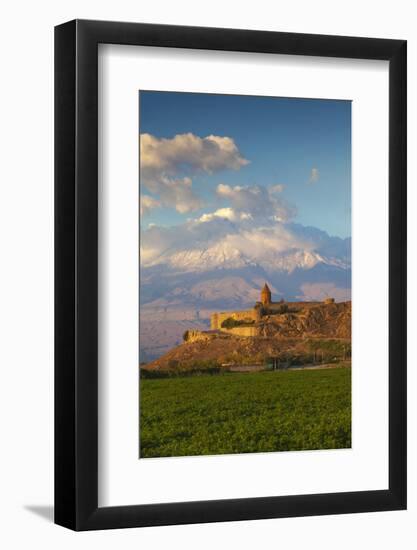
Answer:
x=265 y=307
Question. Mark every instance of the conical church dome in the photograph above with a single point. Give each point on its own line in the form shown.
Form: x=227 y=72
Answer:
x=266 y=295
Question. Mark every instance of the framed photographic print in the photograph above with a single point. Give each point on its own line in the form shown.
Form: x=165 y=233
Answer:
x=230 y=338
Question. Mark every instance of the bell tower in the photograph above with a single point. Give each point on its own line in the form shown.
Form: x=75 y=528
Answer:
x=266 y=295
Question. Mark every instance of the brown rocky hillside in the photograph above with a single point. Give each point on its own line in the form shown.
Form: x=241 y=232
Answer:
x=305 y=331
x=323 y=320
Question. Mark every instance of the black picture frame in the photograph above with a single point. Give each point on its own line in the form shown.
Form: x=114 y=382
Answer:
x=76 y=272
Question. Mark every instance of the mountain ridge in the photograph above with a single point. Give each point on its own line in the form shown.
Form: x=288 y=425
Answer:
x=196 y=273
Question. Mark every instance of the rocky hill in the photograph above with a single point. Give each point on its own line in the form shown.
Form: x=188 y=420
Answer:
x=302 y=334
x=305 y=320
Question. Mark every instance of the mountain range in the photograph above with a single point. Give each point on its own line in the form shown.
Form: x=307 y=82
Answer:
x=190 y=271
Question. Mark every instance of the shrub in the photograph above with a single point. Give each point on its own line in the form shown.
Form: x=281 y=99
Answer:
x=191 y=368
x=330 y=347
x=231 y=323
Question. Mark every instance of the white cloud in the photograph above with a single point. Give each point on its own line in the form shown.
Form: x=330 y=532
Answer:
x=163 y=163
x=258 y=201
x=188 y=151
x=175 y=193
x=226 y=214
x=314 y=175
x=277 y=188
x=263 y=242
x=147 y=204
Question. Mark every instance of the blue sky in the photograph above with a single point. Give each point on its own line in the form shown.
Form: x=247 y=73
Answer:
x=299 y=147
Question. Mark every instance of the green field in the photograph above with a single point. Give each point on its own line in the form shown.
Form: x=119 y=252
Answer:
x=246 y=413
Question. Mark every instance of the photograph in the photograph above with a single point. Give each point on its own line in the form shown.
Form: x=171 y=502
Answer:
x=208 y=336
x=245 y=274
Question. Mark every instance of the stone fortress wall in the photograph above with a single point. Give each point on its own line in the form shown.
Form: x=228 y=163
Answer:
x=243 y=331
x=265 y=307
x=217 y=319
x=254 y=314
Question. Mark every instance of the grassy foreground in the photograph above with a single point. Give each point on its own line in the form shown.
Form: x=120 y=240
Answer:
x=246 y=413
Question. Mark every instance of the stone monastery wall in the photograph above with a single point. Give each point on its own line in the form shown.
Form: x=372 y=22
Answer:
x=242 y=331
x=245 y=315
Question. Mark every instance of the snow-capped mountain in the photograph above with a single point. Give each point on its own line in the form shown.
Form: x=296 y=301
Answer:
x=224 y=256
x=222 y=244
x=191 y=271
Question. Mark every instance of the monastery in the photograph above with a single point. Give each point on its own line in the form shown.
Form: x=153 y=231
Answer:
x=262 y=308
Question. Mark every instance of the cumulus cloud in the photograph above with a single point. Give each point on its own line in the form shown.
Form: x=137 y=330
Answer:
x=147 y=204
x=268 y=242
x=175 y=192
x=314 y=175
x=277 y=188
x=257 y=201
x=164 y=163
x=171 y=155
x=225 y=214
